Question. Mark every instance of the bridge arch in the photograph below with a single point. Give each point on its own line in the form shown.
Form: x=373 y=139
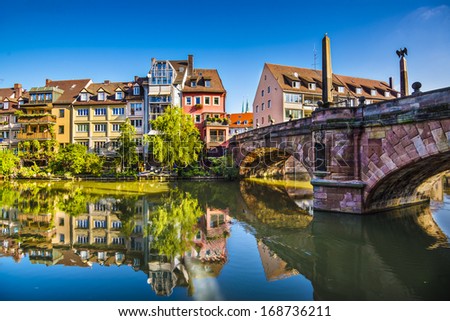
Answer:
x=413 y=158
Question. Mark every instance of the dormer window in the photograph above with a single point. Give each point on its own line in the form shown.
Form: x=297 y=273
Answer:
x=341 y=89
x=101 y=96
x=312 y=86
x=399 y=95
x=83 y=97
x=373 y=92
x=5 y=105
x=387 y=94
x=193 y=83
x=33 y=97
x=119 y=95
x=208 y=83
x=296 y=84
x=359 y=90
x=136 y=90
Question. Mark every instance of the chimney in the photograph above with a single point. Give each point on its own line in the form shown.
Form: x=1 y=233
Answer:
x=190 y=64
x=327 y=73
x=17 y=91
x=47 y=81
x=136 y=78
x=391 y=83
x=106 y=82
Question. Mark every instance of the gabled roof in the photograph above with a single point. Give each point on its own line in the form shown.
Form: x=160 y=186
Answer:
x=285 y=74
x=6 y=92
x=109 y=88
x=71 y=89
x=200 y=75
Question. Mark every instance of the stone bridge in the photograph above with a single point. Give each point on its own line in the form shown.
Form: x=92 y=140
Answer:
x=361 y=159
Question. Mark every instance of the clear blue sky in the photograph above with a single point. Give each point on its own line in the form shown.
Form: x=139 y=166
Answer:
x=115 y=40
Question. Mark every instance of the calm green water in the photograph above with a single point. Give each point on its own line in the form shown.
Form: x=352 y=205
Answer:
x=212 y=241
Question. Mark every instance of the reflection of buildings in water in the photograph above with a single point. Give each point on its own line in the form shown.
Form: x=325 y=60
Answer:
x=99 y=236
x=165 y=273
x=274 y=266
x=210 y=241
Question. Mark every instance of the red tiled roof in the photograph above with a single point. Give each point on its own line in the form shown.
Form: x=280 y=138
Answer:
x=71 y=89
x=201 y=75
x=285 y=74
x=241 y=117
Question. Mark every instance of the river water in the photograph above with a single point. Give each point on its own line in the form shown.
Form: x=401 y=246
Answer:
x=215 y=240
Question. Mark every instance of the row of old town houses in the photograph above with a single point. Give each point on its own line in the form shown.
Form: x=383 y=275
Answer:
x=83 y=112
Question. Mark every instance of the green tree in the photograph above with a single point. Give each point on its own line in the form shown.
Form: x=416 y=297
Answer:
x=127 y=146
x=8 y=162
x=74 y=159
x=178 y=140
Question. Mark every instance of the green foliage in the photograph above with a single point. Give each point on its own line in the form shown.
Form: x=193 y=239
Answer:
x=192 y=171
x=74 y=159
x=8 y=163
x=174 y=223
x=31 y=172
x=127 y=146
x=223 y=166
x=178 y=141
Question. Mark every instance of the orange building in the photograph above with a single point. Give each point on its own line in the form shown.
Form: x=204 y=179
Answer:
x=240 y=122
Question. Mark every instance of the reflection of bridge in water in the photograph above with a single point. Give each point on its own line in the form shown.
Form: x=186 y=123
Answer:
x=393 y=256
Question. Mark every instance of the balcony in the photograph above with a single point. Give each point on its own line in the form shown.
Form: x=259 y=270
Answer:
x=216 y=122
x=36 y=119
x=32 y=136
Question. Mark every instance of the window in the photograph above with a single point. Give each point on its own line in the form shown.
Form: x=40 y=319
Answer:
x=373 y=92
x=262 y=93
x=100 y=128
x=99 y=240
x=61 y=113
x=292 y=98
x=5 y=105
x=359 y=90
x=82 y=224
x=245 y=122
x=198 y=118
x=294 y=113
x=262 y=106
x=256 y=108
x=207 y=100
x=216 y=101
x=119 y=95
x=340 y=89
x=116 y=127
x=135 y=107
x=84 y=143
x=387 y=94
x=188 y=101
x=83 y=97
x=61 y=221
x=268 y=90
x=101 y=96
x=238 y=122
x=296 y=84
x=100 y=111
x=97 y=147
x=48 y=97
x=118 y=111
x=33 y=97
x=83 y=112
x=193 y=84
x=117 y=224
x=136 y=123
x=60 y=129
x=269 y=103
x=262 y=120
x=82 y=128
x=312 y=86
x=82 y=239
x=208 y=83
x=99 y=224
x=198 y=100
x=61 y=238
x=136 y=90
x=118 y=240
